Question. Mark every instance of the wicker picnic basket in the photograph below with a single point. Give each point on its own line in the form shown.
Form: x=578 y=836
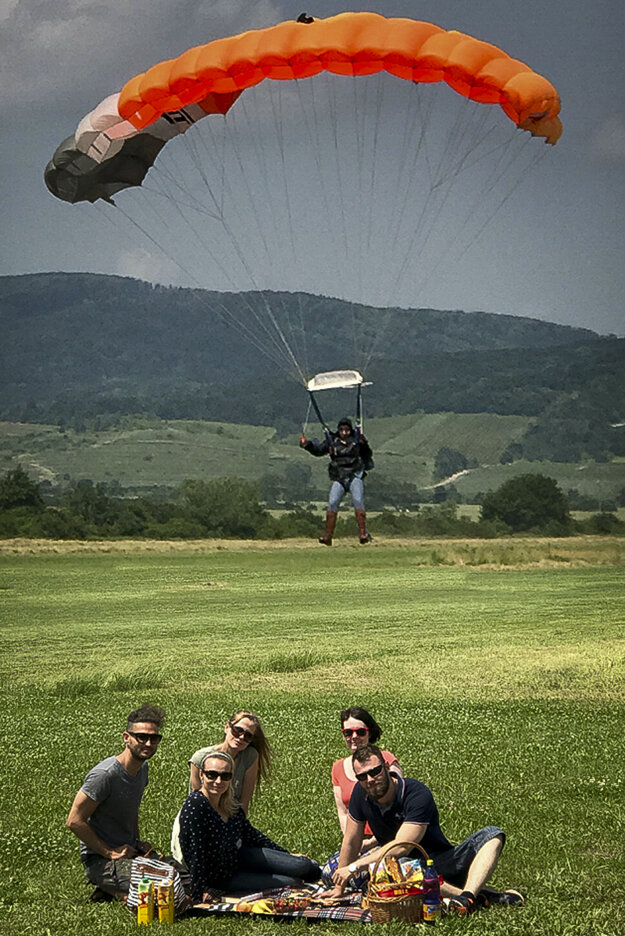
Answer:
x=398 y=906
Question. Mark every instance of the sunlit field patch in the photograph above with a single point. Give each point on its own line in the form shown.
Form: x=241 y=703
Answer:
x=500 y=687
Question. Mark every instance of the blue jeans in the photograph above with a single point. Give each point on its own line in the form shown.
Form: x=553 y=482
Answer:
x=265 y=868
x=356 y=489
x=357 y=881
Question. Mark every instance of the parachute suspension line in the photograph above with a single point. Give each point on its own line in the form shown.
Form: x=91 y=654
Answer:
x=187 y=218
x=315 y=406
x=279 y=124
x=442 y=178
x=272 y=348
x=538 y=157
x=370 y=252
x=359 y=407
x=262 y=162
x=422 y=119
x=429 y=210
x=279 y=129
x=317 y=148
x=360 y=232
x=332 y=108
x=193 y=144
x=165 y=171
x=275 y=338
x=153 y=240
x=306 y=418
x=477 y=203
x=391 y=237
x=374 y=155
x=418 y=127
x=280 y=339
x=226 y=314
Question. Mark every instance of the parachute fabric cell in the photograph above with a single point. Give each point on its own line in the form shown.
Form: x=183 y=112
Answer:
x=348 y=44
x=108 y=154
x=73 y=176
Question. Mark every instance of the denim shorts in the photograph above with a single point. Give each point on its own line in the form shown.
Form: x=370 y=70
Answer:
x=454 y=863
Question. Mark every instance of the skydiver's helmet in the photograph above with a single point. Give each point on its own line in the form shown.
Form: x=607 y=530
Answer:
x=345 y=422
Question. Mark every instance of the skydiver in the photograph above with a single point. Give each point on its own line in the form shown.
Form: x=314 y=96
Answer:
x=350 y=458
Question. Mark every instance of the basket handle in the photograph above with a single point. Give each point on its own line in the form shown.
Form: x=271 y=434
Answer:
x=393 y=844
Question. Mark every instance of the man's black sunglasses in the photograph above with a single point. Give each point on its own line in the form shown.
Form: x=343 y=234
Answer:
x=143 y=737
x=369 y=773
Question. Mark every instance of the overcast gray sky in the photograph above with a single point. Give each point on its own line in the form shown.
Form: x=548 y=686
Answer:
x=556 y=251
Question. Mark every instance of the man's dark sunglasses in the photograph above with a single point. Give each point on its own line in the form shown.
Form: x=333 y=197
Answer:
x=143 y=737
x=361 y=732
x=224 y=775
x=361 y=777
x=241 y=733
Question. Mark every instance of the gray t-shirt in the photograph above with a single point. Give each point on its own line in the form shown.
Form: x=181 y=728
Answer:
x=118 y=795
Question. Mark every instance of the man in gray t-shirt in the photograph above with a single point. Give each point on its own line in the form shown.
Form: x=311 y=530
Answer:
x=105 y=811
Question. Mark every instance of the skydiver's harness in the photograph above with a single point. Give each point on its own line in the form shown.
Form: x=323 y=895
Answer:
x=345 y=465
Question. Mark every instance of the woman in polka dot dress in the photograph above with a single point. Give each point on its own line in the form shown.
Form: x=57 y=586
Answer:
x=222 y=850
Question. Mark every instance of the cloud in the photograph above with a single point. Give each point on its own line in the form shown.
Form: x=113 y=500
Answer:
x=608 y=142
x=69 y=54
x=143 y=265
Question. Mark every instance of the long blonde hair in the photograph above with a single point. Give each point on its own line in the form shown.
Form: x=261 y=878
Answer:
x=260 y=742
x=227 y=803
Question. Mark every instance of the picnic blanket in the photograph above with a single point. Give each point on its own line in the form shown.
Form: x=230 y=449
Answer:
x=287 y=903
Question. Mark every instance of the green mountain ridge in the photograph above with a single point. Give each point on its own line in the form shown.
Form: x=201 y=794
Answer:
x=86 y=350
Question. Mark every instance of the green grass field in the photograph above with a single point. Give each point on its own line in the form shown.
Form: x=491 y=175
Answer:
x=496 y=669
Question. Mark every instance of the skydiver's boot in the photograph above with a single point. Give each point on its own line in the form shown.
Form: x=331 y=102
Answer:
x=326 y=539
x=361 y=520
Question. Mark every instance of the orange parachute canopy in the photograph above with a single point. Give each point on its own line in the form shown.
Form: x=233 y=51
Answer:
x=347 y=44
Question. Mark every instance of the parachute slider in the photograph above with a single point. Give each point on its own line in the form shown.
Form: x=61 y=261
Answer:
x=336 y=380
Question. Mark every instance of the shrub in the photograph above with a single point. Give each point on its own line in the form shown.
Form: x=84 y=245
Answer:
x=601 y=523
x=530 y=502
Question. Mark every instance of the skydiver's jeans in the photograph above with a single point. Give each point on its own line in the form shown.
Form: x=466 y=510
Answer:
x=356 y=489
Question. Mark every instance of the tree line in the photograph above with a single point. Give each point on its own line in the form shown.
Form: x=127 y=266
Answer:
x=231 y=508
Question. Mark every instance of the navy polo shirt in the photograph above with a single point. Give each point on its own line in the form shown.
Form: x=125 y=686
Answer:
x=413 y=802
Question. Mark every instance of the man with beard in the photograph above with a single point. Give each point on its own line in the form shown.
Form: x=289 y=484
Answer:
x=105 y=811
x=404 y=809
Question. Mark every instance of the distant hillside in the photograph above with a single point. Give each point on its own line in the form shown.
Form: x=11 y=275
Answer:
x=150 y=456
x=80 y=346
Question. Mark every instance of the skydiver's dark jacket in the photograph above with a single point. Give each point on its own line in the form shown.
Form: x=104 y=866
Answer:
x=347 y=458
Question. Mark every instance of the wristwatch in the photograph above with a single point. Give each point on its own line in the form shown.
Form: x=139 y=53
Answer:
x=352 y=868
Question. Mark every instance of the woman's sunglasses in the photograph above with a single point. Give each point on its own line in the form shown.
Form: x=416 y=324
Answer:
x=348 y=732
x=241 y=733
x=224 y=775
